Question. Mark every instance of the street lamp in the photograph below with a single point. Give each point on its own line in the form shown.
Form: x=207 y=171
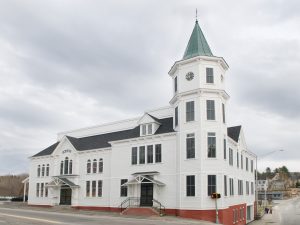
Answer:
x=256 y=159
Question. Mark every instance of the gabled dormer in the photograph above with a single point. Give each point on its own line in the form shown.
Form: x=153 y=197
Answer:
x=148 y=125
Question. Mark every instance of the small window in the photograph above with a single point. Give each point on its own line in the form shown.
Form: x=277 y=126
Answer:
x=242 y=161
x=252 y=188
x=88 y=189
x=247 y=187
x=176 y=116
x=209 y=75
x=223 y=113
x=190 y=146
x=70 y=167
x=37 y=190
x=46 y=190
x=94 y=166
x=225 y=148
x=230 y=157
x=158 y=154
x=134 y=156
x=247 y=168
x=225 y=185
x=123 y=191
x=144 y=129
x=88 y=166
x=231 y=187
x=66 y=166
x=47 y=170
x=190 y=111
x=210 y=109
x=100 y=183
x=43 y=170
x=100 y=167
x=150 y=154
x=149 y=128
x=251 y=166
x=175 y=84
x=240 y=187
x=190 y=185
x=39 y=171
x=62 y=167
x=211 y=145
x=237 y=159
x=211 y=184
x=142 y=155
x=94 y=188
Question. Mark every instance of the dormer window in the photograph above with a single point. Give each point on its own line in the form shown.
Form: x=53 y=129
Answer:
x=147 y=129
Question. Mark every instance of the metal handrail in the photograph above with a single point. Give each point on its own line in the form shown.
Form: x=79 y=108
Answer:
x=128 y=202
x=162 y=209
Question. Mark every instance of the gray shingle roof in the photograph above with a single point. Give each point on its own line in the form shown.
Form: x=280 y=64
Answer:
x=102 y=140
x=234 y=132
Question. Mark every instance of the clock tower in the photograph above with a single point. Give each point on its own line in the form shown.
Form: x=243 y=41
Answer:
x=199 y=104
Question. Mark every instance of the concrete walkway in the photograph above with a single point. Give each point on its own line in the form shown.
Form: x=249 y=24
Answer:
x=268 y=219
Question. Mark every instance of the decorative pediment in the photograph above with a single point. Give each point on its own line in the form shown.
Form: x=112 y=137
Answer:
x=65 y=147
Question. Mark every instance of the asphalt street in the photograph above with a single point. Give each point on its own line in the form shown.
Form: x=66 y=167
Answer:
x=21 y=216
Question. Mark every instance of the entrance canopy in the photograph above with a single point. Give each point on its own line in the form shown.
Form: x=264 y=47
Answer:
x=59 y=181
x=143 y=178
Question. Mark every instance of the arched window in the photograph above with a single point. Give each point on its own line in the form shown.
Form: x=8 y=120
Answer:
x=43 y=170
x=100 y=168
x=62 y=167
x=94 y=166
x=66 y=169
x=47 y=170
x=70 y=166
x=88 y=166
x=39 y=171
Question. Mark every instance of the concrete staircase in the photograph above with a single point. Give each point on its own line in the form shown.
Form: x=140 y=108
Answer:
x=140 y=211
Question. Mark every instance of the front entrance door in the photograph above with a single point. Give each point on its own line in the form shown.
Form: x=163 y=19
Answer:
x=146 y=194
x=65 y=196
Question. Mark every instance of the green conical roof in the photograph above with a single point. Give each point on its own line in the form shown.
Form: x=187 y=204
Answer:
x=197 y=45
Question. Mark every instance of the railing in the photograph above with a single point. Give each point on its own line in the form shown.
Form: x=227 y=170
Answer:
x=129 y=202
x=159 y=207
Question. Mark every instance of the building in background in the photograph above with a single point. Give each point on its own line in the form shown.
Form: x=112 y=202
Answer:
x=172 y=158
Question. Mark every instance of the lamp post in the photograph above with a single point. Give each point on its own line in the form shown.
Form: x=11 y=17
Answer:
x=256 y=184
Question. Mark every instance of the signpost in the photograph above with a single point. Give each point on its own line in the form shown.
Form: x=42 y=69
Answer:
x=216 y=196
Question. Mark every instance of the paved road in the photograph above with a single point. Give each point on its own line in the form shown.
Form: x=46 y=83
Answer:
x=14 y=216
x=285 y=212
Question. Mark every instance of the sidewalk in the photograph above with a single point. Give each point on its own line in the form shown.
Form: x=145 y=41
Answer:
x=268 y=219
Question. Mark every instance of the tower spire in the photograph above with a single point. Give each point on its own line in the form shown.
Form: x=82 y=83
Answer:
x=196 y=15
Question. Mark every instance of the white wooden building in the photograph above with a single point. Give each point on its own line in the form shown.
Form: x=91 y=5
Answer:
x=174 y=157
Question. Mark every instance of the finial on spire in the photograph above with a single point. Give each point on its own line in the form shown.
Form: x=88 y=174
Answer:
x=196 y=15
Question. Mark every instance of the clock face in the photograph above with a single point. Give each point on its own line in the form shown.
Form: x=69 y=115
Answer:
x=189 y=76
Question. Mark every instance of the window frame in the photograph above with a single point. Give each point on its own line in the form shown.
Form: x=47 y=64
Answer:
x=134 y=156
x=123 y=189
x=211 y=145
x=158 y=153
x=190 y=186
x=210 y=110
x=142 y=155
x=209 y=77
x=190 y=146
x=150 y=154
x=190 y=111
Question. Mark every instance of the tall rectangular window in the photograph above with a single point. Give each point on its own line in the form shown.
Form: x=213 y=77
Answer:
x=176 y=116
x=240 y=187
x=93 y=188
x=190 y=146
x=158 y=153
x=123 y=191
x=100 y=183
x=231 y=186
x=247 y=187
x=190 y=185
x=211 y=184
x=37 y=190
x=252 y=188
x=247 y=168
x=150 y=154
x=225 y=148
x=142 y=155
x=190 y=113
x=134 y=156
x=223 y=113
x=210 y=109
x=242 y=161
x=175 y=84
x=42 y=189
x=209 y=75
x=87 y=188
x=230 y=157
x=251 y=166
x=211 y=145
x=225 y=185
x=46 y=189
x=237 y=159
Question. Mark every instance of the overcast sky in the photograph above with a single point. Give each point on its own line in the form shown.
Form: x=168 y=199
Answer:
x=71 y=64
